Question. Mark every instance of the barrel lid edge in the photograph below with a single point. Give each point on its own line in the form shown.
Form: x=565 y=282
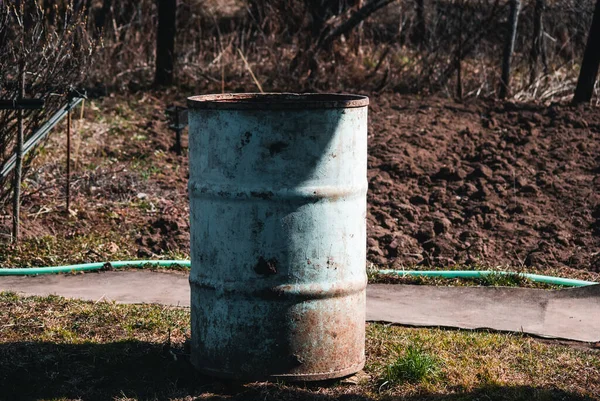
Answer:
x=277 y=101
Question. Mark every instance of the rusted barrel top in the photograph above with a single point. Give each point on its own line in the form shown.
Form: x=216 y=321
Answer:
x=277 y=101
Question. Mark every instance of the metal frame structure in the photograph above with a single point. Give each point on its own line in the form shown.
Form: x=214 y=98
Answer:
x=178 y=118
x=41 y=133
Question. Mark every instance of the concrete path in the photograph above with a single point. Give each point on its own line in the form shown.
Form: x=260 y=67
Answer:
x=572 y=314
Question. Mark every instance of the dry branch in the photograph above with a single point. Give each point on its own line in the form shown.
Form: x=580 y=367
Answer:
x=57 y=56
x=355 y=19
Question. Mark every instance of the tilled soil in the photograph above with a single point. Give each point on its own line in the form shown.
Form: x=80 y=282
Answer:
x=485 y=183
x=482 y=182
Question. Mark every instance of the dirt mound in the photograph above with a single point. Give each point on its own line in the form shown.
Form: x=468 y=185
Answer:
x=486 y=182
x=163 y=235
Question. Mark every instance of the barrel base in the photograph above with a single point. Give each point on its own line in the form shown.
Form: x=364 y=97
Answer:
x=308 y=377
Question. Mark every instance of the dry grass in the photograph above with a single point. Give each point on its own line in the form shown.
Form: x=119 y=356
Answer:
x=56 y=349
x=211 y=32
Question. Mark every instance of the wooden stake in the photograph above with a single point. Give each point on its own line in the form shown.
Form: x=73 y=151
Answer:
x=81 y=110
x=68 y=187
x=19 y=159
x=222 y=76
x=78 y=126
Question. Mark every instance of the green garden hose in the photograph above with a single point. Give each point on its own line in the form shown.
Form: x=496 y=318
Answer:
x=86 y=267
x=30 y=271
x=567 y=282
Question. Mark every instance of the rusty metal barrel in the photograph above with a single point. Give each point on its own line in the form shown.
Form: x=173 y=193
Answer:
x=277 y=193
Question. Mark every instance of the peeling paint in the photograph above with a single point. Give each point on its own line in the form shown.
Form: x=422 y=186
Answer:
x=266 y=267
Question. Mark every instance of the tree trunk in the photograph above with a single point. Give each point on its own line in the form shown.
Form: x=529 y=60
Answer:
x=359 y=32
x=318 y=14
x=50 y=11
x=509 y=47
x=537 y=47
x=459 y=53
x=469 y=44
x=80 y=5
x=26 y=10
x=590 y=63
x=165 y=42
x=100 y=17
x=420 y=33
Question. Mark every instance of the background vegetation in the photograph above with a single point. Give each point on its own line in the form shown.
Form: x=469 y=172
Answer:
x=450 y=48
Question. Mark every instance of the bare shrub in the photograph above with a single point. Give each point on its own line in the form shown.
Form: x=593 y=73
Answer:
x=56 y=50
x=428 y=46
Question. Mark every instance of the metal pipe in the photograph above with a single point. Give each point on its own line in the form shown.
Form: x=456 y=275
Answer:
x=40 y=134
x=68 y=187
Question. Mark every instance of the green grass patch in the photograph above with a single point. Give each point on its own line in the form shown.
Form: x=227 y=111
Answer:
x=145 y=168
x=58 y=250
x=95 y=247
x=414 y=365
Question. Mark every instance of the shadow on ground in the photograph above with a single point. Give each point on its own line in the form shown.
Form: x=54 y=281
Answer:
x=148 y=371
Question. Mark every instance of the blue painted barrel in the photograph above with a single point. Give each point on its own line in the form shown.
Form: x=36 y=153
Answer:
x=277 y=193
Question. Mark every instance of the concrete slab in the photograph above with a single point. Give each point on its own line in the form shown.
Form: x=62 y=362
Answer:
x=127 y=286
x=572 y=314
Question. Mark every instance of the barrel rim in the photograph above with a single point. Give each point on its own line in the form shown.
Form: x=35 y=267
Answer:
x=277 y=101
x=291 y=377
